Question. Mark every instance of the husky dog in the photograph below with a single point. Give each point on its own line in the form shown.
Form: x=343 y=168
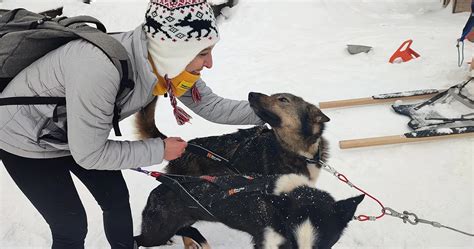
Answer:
x=296 y=135
x=286 y=211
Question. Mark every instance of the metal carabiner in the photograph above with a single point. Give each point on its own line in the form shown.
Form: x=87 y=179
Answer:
x=391 y=212
x=328 y=168
x=407 y=218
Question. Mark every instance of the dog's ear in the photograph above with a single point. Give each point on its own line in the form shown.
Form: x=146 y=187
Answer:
x=345 y=209
x=312 y=121
x=316 y=115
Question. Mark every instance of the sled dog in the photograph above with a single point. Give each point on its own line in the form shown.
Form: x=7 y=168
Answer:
x=295 y=135
x=278 y=211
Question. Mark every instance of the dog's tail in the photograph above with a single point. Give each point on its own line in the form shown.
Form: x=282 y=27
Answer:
x=145 y=122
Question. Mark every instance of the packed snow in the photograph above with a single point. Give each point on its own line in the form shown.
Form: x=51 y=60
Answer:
x=301 y=47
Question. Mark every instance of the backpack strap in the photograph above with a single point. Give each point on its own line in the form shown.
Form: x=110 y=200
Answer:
x=119 y=57
x=66 y=22
x=37 y=100
x=4 y=82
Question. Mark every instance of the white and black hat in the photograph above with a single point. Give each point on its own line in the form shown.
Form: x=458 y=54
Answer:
x=177 y=31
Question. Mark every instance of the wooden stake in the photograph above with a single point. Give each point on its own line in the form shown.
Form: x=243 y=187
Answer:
x=396 y=139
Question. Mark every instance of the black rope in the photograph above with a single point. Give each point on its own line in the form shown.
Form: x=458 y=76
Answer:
x=182 y=191
x=465 y=97
x=168 y=180
x=201 y=151
x=442 y=94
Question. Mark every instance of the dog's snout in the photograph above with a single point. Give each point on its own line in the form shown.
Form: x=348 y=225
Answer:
x=254 y=96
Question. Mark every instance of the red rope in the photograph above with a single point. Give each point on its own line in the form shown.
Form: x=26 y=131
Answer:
x=339 y=176
x=362 y=217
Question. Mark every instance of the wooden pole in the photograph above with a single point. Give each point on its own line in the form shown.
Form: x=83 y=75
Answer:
x=396 y=139
x=369 y=101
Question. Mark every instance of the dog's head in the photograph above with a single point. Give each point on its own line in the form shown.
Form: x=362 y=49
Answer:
x=330 y=228
x=318 y=225
x=311 y=216
x=292 y=118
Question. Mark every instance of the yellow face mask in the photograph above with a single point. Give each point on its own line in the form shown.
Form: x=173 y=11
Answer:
x=180 y=84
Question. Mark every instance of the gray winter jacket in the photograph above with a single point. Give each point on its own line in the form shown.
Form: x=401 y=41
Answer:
x=82 y=72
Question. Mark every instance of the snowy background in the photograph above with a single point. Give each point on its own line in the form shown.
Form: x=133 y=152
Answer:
x=300 y=47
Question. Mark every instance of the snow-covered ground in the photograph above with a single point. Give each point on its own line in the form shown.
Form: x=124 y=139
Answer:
x=300 y=47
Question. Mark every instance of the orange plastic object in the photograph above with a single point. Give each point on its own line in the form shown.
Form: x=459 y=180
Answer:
x=406 y=54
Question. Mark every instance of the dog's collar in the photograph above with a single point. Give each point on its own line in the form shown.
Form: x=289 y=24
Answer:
x=316 y=159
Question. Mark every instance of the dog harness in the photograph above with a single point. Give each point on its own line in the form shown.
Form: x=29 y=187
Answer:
x=224 y=187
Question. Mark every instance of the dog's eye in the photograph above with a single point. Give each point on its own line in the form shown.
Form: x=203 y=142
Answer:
x=283 y=99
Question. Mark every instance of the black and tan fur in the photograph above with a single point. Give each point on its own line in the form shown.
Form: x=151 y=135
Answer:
x=295 y=134
x=145 y=122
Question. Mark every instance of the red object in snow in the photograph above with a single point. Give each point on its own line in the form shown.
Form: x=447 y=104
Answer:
x=406 y=54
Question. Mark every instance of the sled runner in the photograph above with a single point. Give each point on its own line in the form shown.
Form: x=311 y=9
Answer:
x=381 y=98
x=447 y=114
x=416 y=136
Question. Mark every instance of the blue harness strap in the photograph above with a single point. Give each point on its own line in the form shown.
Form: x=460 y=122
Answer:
x=469 y=24
x=465 y=31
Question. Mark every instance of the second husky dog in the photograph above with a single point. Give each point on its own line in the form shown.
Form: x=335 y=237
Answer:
x=278 y=211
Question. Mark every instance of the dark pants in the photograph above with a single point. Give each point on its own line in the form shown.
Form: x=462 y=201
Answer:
x=48 y=185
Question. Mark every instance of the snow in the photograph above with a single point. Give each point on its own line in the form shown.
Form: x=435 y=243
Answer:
x=300 y=47
x=444 y=131
x=456 y=110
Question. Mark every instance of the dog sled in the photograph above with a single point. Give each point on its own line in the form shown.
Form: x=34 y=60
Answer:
x=447 y=113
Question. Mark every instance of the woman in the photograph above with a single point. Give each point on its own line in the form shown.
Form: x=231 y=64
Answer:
x=168 y=53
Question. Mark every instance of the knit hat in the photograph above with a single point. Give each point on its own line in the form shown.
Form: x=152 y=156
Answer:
x=177 y=31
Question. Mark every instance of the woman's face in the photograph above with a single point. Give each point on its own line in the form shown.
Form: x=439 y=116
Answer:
x=203 y=59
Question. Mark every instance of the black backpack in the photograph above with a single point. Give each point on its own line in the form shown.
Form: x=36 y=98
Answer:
x=26 y=36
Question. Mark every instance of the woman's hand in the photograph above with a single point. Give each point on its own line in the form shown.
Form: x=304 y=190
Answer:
x=174 y=148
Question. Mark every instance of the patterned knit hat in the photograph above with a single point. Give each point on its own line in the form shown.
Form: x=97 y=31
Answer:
x=177 y=31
